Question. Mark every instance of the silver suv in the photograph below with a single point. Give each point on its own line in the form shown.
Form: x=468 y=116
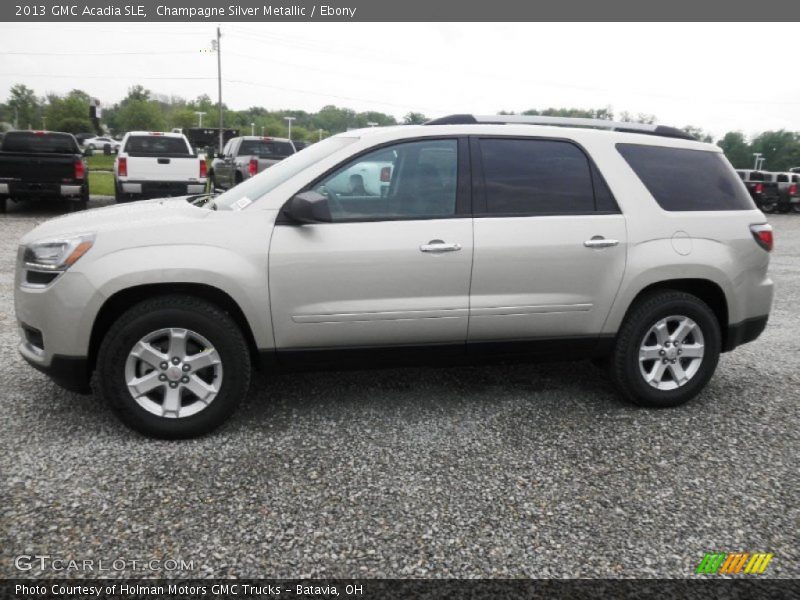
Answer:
x=496 y=238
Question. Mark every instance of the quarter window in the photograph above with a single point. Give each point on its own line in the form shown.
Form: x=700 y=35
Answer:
x=537 y=177
x=405 y=181
x=681 y=179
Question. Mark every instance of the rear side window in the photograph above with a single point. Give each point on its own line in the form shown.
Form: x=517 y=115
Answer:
x=30 y=141
x=156 y=145
x=528 y=177
x=687 y=180
x=265 y=149
x=783 y=178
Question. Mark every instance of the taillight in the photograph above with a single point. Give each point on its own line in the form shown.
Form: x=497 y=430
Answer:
x=80 y=169
x=763 y=236
x=759 y=188
x=122 y=167
x=386 y=174
x=252 y=168
x=203 y=169
x=793 y=189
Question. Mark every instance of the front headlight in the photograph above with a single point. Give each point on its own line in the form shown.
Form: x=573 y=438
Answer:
x=56 y=255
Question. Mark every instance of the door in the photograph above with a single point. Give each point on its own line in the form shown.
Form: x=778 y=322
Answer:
x=224 y=168
x=550 y=242
x=391 y=269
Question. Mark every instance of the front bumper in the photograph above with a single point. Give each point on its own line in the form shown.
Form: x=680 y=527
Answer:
x=55 y=323
x=69 y=372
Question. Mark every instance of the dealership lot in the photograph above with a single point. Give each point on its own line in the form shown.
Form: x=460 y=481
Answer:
x=503 y=471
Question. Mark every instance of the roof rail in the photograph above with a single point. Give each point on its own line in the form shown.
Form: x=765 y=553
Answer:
x=644 y=128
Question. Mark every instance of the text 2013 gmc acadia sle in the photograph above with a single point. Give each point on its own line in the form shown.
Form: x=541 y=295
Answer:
x=493 y=238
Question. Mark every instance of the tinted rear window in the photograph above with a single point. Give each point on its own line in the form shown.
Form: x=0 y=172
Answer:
x=264 y=149
x=527 y=177
x=156 y=145
x=683 y=180
x=28 y=141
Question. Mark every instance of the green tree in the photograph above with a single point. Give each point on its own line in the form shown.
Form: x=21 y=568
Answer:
x=414 y=118
x=69 y=113
x=24 y=108
x=737 y=149
x=140 y=115
x=781 y=149
x=698 y=133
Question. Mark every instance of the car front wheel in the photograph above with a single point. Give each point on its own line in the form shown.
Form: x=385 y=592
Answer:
x=174 y=367
x=667 y=349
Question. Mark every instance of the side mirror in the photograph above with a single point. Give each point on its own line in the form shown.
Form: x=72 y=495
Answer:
x=219 y=155
x=88 y=152
x=309 y=207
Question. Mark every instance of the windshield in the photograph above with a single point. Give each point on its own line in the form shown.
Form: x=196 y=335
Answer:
x=266 y=181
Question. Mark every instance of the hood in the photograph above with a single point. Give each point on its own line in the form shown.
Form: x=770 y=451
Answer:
x=119 y=217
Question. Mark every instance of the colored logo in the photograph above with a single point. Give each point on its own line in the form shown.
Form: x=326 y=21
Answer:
x=723 y=563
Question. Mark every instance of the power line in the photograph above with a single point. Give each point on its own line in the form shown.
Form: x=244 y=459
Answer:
x=159 y=53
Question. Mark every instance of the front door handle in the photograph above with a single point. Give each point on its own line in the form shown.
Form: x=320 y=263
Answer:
x=599 y=241
x=437 y=246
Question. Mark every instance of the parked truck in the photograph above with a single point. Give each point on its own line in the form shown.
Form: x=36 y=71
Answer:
x=762 y=187
x=41 y=165
x=246 y=156
x=155 y=164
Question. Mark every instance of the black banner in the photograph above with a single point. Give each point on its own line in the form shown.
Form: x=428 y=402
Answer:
x=215 y=11
x=387 y=589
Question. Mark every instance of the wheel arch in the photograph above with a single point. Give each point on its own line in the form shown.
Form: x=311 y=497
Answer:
x=128 y=297
x=706 y=290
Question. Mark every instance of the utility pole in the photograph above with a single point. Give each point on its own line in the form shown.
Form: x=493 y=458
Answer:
x=199 y=114
x=262 y=131
x=758 y=156
x=290 y=119
x=44 y=123
x=219 y=86
x=252 y=128
x=320 y=135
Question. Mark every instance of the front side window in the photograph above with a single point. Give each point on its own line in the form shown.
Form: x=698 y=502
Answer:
x=530 y=177
x=403 y=181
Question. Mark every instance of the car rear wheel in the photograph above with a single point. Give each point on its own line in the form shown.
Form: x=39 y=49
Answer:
x=174 y=367
x=667 y=349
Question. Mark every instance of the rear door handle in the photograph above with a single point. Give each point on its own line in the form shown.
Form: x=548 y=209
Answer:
x=437 y=246
x=599 y=241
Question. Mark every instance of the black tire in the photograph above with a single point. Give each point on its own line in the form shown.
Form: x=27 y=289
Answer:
x=784 y=208
x=238 y=178
x=3 y=204
x=796 y=207
x=174 y=311
x=625 y=366
x=769 y=207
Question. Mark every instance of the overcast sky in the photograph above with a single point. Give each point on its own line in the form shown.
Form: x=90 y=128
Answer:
x=707 y=75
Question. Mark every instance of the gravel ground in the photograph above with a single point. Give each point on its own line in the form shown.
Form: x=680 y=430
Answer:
x=503 y=471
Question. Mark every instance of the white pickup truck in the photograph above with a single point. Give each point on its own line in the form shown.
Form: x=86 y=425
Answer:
x=155 y=164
